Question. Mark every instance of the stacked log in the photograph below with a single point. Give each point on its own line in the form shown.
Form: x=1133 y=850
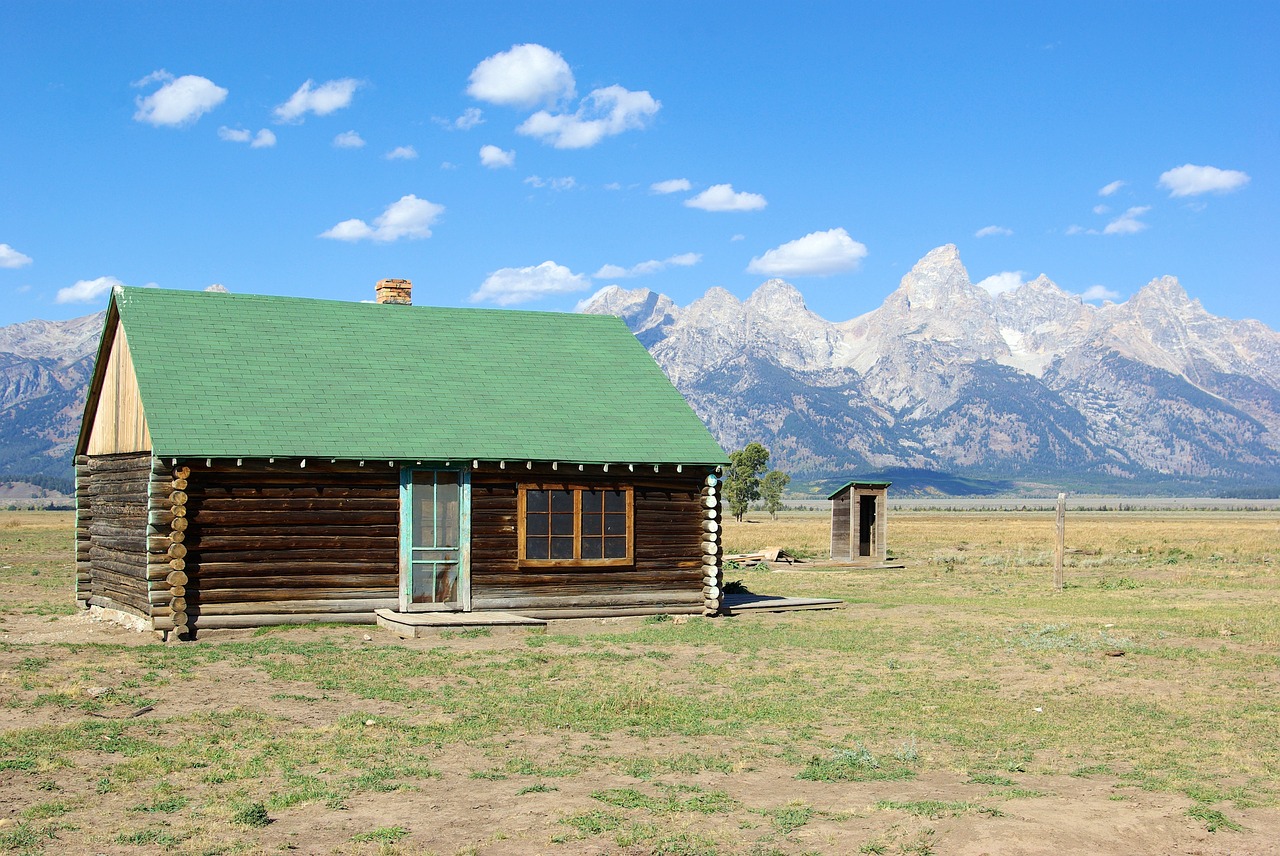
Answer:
x=712 y=572
x=84 y=519
x=166 y=550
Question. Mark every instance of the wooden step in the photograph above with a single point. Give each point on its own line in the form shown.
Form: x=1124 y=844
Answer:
x=414 y=625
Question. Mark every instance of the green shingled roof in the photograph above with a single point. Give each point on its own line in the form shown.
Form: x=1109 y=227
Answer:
x=230 y=375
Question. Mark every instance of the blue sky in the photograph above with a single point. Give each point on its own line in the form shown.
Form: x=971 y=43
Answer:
x=528 y=154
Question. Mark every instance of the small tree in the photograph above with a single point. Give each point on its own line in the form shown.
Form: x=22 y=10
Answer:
x=742 y=481
x=771 y=488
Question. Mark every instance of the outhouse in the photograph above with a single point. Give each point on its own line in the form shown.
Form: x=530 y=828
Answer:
x=858 y=512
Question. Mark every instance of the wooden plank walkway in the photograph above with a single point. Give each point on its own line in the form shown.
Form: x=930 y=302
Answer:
x=737 y=603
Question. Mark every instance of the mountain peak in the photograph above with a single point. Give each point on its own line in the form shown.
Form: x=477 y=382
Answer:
x=937 y=280
x=777 y=295
x=1164 y=289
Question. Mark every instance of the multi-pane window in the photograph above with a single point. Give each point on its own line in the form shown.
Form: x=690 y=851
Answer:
x=575 y=525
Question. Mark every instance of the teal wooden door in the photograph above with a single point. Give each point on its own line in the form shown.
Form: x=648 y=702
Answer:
x=435 y=535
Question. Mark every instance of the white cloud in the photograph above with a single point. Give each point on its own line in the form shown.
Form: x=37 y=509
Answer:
x=566 y=183
x=87 y=290
x=671 y=185
x=1074 y=229
x=1099 y=292
x=1001 y=282
x=348 y=140
x=402 y=153
x=264 y=139
x=470 y=117
x=408 y=217
x=217 y=288
x=721 y=197
x=180 y=101
x=738 y=237
x=603 y=113
x=525 y=76
x=816 y=254
x=991 y=231
x=1101 y=209
x=494 y=157
x=320 y=100
x=1191 y=180
x=160 y=75
x=645 y=268
x=509 y=286
x=448 y=165
x=1107 y=190
x=1128 y=222
x=11 y=258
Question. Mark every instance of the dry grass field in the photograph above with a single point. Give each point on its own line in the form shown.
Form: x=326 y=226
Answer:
x=956 y=705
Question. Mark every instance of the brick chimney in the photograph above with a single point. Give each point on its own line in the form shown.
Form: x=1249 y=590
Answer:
x=394 y=291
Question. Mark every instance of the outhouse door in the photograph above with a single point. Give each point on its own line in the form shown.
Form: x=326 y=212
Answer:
x=435 y=537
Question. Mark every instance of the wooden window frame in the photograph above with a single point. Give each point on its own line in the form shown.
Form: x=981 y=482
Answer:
x=577 y=562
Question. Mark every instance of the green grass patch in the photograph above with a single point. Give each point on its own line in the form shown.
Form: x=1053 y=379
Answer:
x=1213 y=819
x=934 y=809
x=382 y=835
x=852 y=765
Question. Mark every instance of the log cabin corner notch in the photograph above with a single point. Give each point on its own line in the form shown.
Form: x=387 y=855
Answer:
x=288 y=460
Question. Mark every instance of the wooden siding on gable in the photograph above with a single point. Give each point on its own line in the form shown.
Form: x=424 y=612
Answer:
x=119 y=424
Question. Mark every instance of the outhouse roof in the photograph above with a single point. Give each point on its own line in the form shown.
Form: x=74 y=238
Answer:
x=235 y=375
x=859 y=483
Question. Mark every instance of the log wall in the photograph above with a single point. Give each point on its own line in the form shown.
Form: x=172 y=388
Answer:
x=672 y=547
x=228 y=545
x=281 y=543
x=111 y=531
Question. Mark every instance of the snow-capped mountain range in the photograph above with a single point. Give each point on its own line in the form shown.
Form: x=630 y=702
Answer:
x=1032 y=383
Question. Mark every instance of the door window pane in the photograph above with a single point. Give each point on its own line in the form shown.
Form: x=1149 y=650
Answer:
x=447 y=494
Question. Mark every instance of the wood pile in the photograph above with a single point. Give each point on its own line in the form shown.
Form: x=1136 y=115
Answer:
x=769 y=555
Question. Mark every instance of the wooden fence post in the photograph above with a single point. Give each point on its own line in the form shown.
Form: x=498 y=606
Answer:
x=1060 y=547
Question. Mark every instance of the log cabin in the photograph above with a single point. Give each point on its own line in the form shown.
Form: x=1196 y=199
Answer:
x=249 y=460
